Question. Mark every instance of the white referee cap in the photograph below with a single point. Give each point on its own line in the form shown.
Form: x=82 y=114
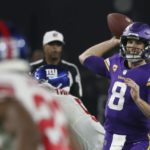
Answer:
x=52 y=36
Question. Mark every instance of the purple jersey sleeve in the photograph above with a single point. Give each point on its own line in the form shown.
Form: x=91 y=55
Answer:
x=97 y=65
x=148 y=97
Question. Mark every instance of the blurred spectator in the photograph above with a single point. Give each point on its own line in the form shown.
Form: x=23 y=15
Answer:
x=53 y=42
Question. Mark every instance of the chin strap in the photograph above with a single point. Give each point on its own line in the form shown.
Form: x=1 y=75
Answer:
x=122 y=50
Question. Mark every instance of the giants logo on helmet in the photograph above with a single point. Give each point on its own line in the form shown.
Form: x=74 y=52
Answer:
x=51 y=73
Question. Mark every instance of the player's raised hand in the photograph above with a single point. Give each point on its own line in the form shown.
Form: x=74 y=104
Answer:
x=134 y=88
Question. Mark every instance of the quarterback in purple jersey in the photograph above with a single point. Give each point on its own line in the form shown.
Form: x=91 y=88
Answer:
x=127 y=110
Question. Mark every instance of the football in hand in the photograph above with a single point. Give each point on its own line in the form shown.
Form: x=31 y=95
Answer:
x=117 y=22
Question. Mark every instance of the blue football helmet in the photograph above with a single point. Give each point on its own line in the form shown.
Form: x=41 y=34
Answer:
x=54 y=75
x=138 y=31
x=12 y=43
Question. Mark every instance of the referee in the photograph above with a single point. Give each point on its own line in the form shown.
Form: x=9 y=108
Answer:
x=53 y=42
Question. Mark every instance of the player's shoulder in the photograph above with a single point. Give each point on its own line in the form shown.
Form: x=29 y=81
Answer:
x=71 y=67
x=114 y=59
x=34 y=65
x=148 y=66
x=147 y=69
x=36 y=62
x=41 y=92
x=69 y=64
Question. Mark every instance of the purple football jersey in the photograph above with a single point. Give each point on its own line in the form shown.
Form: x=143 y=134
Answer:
x=122 y=114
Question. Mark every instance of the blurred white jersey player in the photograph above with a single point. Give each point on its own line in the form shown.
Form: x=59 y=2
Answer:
x=14 y=82
x=88 y=132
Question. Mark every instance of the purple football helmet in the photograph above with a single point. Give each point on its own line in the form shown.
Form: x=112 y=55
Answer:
x=12 y=43
x=138 y=31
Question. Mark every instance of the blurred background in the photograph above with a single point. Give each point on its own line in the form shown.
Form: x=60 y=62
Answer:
x=83 y=24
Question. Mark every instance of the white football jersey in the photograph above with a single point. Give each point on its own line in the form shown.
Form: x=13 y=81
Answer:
x=44 y=109
x=88 y=131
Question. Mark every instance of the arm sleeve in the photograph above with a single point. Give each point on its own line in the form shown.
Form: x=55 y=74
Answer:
x=97 y=65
